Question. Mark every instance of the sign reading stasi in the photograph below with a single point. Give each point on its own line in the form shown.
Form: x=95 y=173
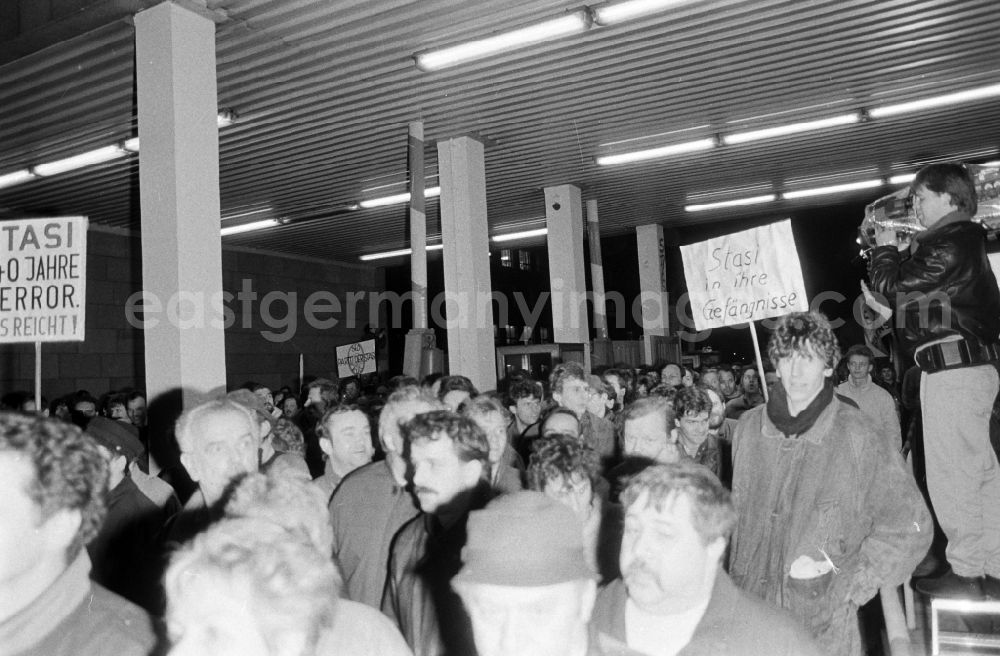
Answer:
x=744 y=276
x=43 y=279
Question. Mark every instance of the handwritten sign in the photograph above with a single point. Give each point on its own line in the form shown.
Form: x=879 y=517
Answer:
x=745 y=276
x=356 y=359
x=43 y=276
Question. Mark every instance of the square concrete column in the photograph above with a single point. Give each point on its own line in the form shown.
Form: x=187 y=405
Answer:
x=652 y=284
x=179 y=200
x=467 y=285
x=564 y=220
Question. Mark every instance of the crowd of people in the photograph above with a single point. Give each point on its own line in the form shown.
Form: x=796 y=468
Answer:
x=662 y=510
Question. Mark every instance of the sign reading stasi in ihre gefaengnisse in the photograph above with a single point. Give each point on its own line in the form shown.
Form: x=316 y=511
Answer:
x=744 y=276
x=43 y=279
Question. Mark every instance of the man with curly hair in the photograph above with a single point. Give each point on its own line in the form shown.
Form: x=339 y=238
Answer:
x=449 y=463
x=565 y=469
x=692 y=408
x=56 y=481
x=827 y=512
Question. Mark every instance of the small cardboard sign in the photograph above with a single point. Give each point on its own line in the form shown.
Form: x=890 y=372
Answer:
x=43 y=279
x=356 y=359
x=745 y=276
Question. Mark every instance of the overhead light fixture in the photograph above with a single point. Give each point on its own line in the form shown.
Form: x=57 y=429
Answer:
x=131 y=145
x=752 y=200
x=791 y=128
x=654 y=153
x=15 y=177
x=247 y=227
x=88 y=158
x=573 y=23
x=524 y=234
x=959 y=97
x=618 y=12
x=903 y=178
x=397 y=253
x=832 y=189
x=397 y=199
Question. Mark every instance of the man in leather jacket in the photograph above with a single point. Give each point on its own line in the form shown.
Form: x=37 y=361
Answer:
x=948 y=317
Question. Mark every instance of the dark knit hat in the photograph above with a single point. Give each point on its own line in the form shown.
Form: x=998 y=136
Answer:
x=524 y=539
x=117 y=437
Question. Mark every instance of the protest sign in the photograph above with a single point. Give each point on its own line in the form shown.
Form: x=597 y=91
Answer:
x=43 y=276
x=356 y=359
x=743 y=277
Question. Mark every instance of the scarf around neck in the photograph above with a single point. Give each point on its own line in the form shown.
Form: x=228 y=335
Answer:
x=777 y=409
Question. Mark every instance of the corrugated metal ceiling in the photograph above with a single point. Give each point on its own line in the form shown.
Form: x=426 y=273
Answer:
x=325 y=90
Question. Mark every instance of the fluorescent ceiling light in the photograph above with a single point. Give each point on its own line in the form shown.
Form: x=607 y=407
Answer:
x=832 y=189
x=791 y=128
x=752 y=200
x=131 y=145
x=996 y=163
x=903 y=178
x=622 y=11
x=653 y=153
x=15 y=177
x=573 y=23
x=936 y=101
x=524 y=234
x=397 y=199
x=88 y=158
x=401 y=251
x=247 y=227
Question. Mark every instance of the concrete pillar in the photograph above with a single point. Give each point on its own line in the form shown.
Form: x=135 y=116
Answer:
x=179 y=200
x=652 y=286
x=420 y=340
x=602 y=352
x=564 y=220
x=467 y=284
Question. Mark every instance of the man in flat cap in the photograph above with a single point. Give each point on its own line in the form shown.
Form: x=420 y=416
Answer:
x=525 y=581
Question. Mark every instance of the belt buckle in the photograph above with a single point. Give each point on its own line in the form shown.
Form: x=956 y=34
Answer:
x=951 y=353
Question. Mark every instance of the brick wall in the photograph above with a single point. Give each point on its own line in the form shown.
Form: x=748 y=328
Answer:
x=260 y=349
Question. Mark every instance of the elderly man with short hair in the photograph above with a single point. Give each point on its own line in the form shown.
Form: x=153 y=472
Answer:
x=674 y=596
x=219 y=441
x=53 y=505
x=828 y=514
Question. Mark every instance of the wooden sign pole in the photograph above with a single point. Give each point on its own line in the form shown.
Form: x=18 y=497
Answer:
x=38 y=377
x=760 y=361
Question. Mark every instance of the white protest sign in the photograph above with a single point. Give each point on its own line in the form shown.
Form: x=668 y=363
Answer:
x=745 y=276
x=356 y=359
x=43 y=279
